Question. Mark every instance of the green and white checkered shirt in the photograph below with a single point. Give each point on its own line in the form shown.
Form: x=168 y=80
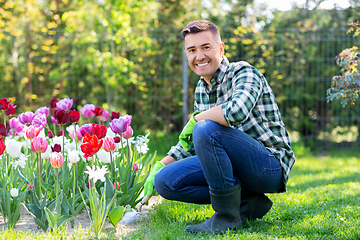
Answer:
x=248 y=104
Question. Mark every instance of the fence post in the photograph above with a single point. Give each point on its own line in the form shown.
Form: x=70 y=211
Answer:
x=185 y=88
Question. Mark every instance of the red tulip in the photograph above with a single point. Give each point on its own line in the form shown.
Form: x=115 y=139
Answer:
x=53 y=102
x=51 y=133
x=10 y=111
x=56 y=148
x=2 y=146
x=39 y=145
x=74 y=116
x=31 y=186
x=2 y=130
x=4 y=104
x=117 y=139
x=98 y=130
x=56 y=159
x=60 y=117
x=90 y=145
x=135 y=167
x=114 y=115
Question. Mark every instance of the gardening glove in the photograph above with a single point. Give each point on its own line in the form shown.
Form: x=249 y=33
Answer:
x=186 y=134
x=149 y=183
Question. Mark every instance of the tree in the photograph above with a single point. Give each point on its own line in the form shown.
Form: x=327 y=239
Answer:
x=346 y=86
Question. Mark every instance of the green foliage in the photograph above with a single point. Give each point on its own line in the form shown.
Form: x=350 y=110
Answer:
x=347 y=85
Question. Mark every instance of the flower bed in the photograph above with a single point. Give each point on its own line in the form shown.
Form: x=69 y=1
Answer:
x=57 y=170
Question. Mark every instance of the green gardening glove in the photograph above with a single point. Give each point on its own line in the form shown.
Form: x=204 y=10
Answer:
x=149 y=183
x=186 y=134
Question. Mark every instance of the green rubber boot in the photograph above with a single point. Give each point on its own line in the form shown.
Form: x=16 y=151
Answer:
x=226 y=204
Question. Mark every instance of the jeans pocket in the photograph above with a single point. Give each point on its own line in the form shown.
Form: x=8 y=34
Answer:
x=270 y=180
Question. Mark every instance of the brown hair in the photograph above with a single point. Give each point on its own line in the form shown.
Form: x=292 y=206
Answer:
x=201 y=26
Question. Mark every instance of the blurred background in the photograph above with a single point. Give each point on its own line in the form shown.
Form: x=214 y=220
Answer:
x=127 y=56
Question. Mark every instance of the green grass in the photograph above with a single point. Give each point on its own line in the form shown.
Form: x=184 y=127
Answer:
x=322 y=202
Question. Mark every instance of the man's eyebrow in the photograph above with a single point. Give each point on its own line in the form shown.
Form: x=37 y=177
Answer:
x=204 y=44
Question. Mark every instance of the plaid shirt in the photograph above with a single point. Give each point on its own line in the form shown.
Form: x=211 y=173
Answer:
x=248 y=104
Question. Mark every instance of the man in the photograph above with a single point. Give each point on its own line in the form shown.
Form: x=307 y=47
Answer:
x=235 y=146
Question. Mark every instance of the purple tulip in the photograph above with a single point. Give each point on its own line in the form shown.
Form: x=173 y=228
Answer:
x=16 y=127
x=39 y=120
x=119 y=125
x=105 y=115
x=87 y=110
x=84 y=129
x=44 y=110
x=26 y=117
x=64 y=104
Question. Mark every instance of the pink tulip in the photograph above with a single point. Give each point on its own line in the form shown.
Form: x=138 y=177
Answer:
x=26 y=117
x=109 y=144
x=88 y=110
x=39 y=120
x=16 y=126
x=65 y=104
x=31 y=186
x=56 y=159
x=39 y=145
x=135 y=167
x=104 y=116
x=128 y=133
x=117 y=185
x=32 y=131
x=43 y=110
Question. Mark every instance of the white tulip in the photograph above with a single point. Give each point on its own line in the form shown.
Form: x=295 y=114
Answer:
x=46 y=154
x=103 y=156
x=73 y=156
x=13 y=147
x=14 y=192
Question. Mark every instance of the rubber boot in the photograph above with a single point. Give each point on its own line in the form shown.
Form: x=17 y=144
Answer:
x=226 y=204
x=253 y=205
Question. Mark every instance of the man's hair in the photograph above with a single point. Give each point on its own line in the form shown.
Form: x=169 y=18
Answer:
x=201 y=26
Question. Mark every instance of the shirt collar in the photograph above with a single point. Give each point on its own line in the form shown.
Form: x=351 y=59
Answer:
x=220 y=72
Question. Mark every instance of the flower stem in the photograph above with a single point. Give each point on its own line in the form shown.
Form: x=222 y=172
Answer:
x=112 y=173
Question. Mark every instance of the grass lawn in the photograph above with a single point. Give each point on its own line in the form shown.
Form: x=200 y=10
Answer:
x=322 y=202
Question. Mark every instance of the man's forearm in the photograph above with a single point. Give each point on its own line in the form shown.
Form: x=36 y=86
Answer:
x=167 y=160
x=214 y=114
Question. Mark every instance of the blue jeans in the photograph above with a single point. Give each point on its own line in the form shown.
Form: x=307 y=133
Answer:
x=225 y=157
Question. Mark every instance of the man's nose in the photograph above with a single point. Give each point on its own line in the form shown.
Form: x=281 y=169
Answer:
x=200 y=55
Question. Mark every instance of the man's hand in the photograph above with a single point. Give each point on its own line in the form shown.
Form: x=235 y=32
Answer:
x=186 y=134
x=149 y=183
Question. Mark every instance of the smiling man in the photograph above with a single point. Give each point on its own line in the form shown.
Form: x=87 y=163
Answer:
x=234 y=148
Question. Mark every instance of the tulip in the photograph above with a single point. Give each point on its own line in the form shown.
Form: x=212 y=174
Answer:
x=77 y=136
x=51 y=133
x=65 y=104
x=39 y=145
x=13 y=148
x=87 y=110
x=2 y=130
x=98 y=130
x=60 y=133
x=109 y=144
x=2 y=146
x=56 y=159
x=90 y=145
x=74 y=116
x=3 y=104
x=117 y=185
x=114 y=115
x=117 y=139
x=16 y=126
x=26 y=117
x=60 y=117
x=84 y=129
x=32 y=132
x=10 y=111
x=104 y=116
x=31 y=186
x=53 y=102
x=73 y=156
x=119 y=125
x=128 y=133
x=56 y=148
x=46 y=154
x=14 y=192
x=43 y=110
x=135 y=167
x=39 y=120
x=103 y=156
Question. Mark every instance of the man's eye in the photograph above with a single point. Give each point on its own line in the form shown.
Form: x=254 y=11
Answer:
x=191 y=50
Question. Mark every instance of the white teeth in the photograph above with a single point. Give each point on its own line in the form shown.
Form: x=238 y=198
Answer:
x=202 y=64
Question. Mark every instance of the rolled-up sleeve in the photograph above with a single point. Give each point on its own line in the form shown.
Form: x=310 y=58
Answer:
x=178 y=152
x=247 y=89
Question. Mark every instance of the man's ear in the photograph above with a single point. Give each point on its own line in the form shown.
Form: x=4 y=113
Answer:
x=222 y=49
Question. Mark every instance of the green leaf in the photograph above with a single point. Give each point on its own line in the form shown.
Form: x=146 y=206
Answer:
x=65 y=219
x=116 y=215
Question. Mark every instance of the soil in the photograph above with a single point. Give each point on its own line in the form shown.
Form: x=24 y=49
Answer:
x=82 y=221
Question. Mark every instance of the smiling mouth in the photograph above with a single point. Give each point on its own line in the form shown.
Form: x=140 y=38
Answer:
x=202 y=64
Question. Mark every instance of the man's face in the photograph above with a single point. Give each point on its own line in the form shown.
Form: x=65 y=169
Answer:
x=204 y=53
